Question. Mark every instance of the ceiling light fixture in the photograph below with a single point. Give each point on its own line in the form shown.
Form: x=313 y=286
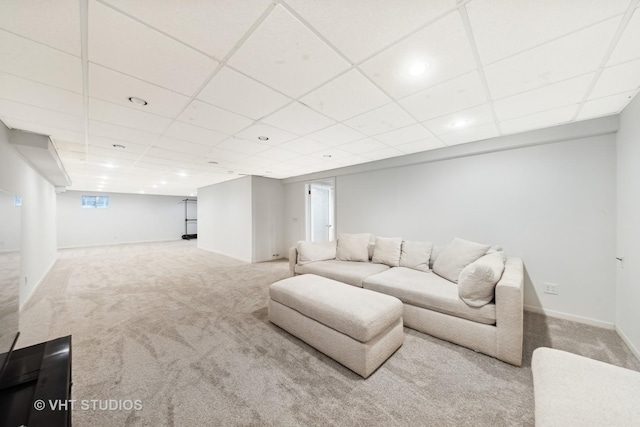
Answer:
x=211 y=162
x=263 y=138
x=327 y=156
x=417 y=69
x=119 y=146
x=182 y=174
x=138 y=101
x=460 y=123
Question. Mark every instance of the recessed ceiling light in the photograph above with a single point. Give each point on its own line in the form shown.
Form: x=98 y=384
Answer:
x=138 y=101
x=417 y=69
x=326 y=156
x=263 y=138
x=182 y=174
x=212 y=162
x=460 y=123
x=119 y=146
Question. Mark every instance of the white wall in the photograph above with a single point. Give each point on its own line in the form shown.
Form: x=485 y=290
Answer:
x=628 y=195
x=224 y=218
x=129 y=218
x=553 y=205
x=268 y=219
x=38 y=229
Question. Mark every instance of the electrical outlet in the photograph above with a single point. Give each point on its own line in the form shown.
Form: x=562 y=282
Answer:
x=551 y=288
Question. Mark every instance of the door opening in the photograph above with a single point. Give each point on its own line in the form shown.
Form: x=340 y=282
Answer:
x=320 y=212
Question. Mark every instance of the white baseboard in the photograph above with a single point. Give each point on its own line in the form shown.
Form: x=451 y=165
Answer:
x=628 y=342
x=33 y=290
x=572 y=317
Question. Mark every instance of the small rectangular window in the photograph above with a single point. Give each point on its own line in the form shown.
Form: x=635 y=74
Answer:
x=99 y=202
x=17 y=201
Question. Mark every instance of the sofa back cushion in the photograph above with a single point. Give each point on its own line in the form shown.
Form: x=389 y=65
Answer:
x=353 y=247
x=416 y=255
x=456 y=256
x=477 y=281
x=387 y=251
x=315 y=251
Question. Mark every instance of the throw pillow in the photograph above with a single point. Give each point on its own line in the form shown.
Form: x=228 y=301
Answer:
x=478 y=280
x=416 y=255
x=457 y=255
x=387 y=251
x=353 y=247
x=435 y=253
x=315 y=251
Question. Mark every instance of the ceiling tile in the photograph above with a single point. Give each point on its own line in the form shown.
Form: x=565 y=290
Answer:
x=474 y=117
x=442 y=48
x=276 y=136
x=549 y=97
x=477 y=133
x=502 y=28
x=27 y=113
x=117 y=88
x=127 y=117
x=34 y=61
x=207 y=116
x=605 y=106
x=108 y=144
x=346 y=96
x=287 y=56
x=343 y=23
x=40 y=95
x=170 y=155
x=336 y=135
x=454 y=95
x=628 y=47
x=404 y=135
x=113 y=153
x=570 y=56
x=242 y=146
x=62 y=145
x=235 y=92
x=168 y=143
x=120 y=133
x=422 y=145
x=384 y=119
x=539 y=120
x=363 y=146
x=122 y=44
x=223 y=156
x=303 y=146
x=199 y=23
x=385 y=153
x=616 y=79
x=194 y=134
x=353 y=160
x=33 y=20
x=279 y=154
x=299 y=119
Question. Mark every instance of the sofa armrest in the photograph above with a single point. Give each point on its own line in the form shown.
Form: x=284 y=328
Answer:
x=509 y=312
x=293 y=259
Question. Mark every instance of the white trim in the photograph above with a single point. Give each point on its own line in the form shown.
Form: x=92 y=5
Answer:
x=628 y=342
x=572 y=317
x=33 y=290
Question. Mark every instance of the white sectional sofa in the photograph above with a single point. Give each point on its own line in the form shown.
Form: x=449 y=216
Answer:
x=477 y=312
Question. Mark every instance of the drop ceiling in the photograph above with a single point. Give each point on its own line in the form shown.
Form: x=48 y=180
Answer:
x=330 y=83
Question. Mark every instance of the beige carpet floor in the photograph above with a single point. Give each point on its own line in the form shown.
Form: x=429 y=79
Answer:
x=185 y=332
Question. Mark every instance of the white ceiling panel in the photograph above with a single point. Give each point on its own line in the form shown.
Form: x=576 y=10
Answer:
x=628 y=47
x=570 y=56
x=336 y=99
x=127 y=117
x=117 y=88
x=461 y=121
x=404 y=135
x=336 y=135
x=549 y=97
x=278 y=154
x=605 y=106
x=26 y=113
x=276 y=136
x=34 y=61
x=385 y=153
x=344 y=25
x=454 y=95
x=363 y=146
x=303 y=146
x=198 y=23
x=112 y=153
x=17 y=89
x=62 y=145
x=442 y=48
x=506 y=27
x=170 y=155
x=122 y=44
x=619 y=78
x=43 y=129
x=477 y=133
x=240 y=94
x=418 y=146
x=223 y=156
x=243 y=146
x=207 y=116
x=299 y=119
x=168 y=143
x=539 y=120
x=121 y=133
x=384 y=119
x=287 y=56
x=32 y=19
x=108 y=144
x=194 y=134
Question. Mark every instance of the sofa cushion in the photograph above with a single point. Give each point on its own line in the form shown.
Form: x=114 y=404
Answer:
x=348 y=272
x=387 y=251
x=315 y=251
x=353 y=247
x=435 y=253
x=416 y=255
x=429 y=291
x=457 y=255
x=477 y=281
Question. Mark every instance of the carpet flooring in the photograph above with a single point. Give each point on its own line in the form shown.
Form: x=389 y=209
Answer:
x=185 y=333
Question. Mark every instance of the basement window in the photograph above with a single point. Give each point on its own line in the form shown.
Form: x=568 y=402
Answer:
x=99 y=202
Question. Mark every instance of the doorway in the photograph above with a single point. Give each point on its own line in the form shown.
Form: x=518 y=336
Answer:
x=320 y=211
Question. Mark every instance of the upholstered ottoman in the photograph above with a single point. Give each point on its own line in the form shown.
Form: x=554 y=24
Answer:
x=354 y=326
